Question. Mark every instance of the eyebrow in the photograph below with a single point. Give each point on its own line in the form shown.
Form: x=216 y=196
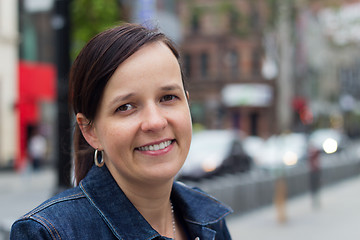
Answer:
x=125 y=97
x=121 y=98
x=171 y=87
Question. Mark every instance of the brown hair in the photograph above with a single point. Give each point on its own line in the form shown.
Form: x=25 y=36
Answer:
x=91 y=71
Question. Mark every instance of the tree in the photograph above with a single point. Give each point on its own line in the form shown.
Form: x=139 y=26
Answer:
x=89 y=17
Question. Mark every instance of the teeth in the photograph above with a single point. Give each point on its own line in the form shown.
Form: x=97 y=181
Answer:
x=155 y=147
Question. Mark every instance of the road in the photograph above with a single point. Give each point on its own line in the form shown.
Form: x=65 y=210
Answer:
x=337 y=218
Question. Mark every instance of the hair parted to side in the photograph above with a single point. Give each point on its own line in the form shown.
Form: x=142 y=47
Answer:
x=91 y=71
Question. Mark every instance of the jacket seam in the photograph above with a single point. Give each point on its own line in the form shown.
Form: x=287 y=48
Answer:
x=39 y=219
x=45 y=205
x=153 y=236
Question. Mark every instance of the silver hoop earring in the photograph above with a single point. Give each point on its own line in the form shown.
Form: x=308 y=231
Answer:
x=96 y=159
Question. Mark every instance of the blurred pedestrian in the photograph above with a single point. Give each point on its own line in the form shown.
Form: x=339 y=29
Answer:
x=132 y=136
x=314 y=175
x=37 y=147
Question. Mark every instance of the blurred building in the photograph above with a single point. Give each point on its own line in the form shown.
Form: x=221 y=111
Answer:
x=298 y=74
x=8 y=80
x=327 y=63
x=223 y=58
x=27 y=76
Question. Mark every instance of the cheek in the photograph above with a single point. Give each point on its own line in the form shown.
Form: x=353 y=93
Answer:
x=183 y=121
x=187 y=118
x=114 y=135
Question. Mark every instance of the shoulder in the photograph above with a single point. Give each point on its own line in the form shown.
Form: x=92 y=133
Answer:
x=29 y=228
x=44 y=221
x=58 y=202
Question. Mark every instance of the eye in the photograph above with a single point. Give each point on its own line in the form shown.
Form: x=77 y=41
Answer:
x=168 y=98
x=125 y=107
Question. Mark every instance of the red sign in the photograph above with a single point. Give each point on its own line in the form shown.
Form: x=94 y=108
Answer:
x=37 y=83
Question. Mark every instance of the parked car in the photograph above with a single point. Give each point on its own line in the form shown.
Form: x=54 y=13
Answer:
x=278 y=151
x=214 y=152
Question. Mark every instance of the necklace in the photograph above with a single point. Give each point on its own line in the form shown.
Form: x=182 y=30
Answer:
x=173 y=219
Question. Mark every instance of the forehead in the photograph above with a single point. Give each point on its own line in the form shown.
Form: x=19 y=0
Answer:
x=149 y=53
x=151 y=59
x=152 y=65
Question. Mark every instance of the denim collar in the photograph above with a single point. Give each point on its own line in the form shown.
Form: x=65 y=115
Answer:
x=197 y=208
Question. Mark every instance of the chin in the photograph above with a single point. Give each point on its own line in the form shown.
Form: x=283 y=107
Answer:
x=163 y=175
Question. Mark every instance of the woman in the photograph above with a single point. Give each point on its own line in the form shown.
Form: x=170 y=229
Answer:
x=132 y=136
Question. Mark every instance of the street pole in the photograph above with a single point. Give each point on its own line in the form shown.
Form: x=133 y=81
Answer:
x=285 y=87
x=61 y=24
x=285 y=80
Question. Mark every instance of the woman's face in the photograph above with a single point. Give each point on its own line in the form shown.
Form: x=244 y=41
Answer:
x=143 y=123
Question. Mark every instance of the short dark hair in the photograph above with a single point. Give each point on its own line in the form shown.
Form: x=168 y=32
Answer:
x=91 y=71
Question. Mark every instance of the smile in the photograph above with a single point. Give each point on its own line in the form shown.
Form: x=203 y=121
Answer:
x=155 y=147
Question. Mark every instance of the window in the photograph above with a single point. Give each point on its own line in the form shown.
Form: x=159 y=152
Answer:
x=254 y=119
x=256 y=62
x=234 y=17
x=196 y=14
x=187 y=65
x=234 y=63
x=195 y=25
x=254 y=17
x=204 y=62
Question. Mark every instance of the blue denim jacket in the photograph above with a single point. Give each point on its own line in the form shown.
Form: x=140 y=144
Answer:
x=98 y=209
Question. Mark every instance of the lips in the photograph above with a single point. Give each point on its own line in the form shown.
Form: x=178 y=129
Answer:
x=156 y=147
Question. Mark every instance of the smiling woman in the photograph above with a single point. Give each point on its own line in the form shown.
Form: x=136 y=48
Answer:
x=148 y=116
x=132 y=136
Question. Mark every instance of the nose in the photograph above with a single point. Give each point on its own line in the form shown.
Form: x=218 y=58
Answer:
x=153 y=119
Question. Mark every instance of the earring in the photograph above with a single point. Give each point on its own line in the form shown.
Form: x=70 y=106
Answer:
x=96 y=159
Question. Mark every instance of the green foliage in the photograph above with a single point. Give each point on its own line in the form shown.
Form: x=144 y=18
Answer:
x=89 y=17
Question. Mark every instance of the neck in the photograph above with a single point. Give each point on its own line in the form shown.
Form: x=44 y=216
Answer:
x=153 y=203
x=155 y=208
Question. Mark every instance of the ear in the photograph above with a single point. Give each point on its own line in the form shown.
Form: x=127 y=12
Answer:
x=187 y=95
x=88 y=131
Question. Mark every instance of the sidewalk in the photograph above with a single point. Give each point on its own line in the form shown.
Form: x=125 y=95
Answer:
x=337 y=218
x=21 y=192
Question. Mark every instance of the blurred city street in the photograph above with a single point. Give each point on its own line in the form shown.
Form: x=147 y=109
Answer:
x=274 y=89
x=336 y=218
x=21 y=192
